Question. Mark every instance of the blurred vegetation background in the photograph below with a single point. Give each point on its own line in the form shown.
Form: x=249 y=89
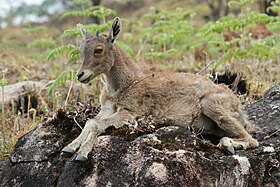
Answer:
x=40 y=43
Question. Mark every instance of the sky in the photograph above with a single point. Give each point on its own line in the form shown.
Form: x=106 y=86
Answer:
x=5 y=5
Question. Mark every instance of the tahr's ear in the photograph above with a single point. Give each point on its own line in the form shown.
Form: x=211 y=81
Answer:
x=84 y=33
x=115 y=29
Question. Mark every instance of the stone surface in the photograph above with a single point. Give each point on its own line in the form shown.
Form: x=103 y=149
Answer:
x=149 y=155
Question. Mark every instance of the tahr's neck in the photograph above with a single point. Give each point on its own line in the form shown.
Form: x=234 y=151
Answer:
x=123 y=73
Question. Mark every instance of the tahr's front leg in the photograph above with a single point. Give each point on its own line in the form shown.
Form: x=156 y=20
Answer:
x=95 y=127
x=75 y=144
x=106 y=111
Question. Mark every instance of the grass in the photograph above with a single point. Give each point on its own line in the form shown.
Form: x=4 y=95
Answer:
x=14 y=126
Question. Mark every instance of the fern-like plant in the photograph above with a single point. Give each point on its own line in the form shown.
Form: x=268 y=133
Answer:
x=99 y=11
x=70 y=50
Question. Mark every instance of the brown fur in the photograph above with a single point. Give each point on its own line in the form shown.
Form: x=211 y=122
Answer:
x=181 y=98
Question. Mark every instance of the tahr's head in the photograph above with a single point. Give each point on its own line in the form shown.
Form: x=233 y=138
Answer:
x=97 y=52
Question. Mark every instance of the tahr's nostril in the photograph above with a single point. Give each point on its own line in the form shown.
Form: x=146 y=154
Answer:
x=80 y=74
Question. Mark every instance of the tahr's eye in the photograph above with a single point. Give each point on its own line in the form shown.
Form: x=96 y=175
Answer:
x=98 y=50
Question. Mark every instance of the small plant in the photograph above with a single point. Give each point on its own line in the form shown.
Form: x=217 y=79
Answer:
x=58 y=99
x=33 y=112
x=275 y=6
x=70 y=50
x=61 y=80
x=99 y=11
x=164 y=32
x=3 y=83
x=34 y=30
x=42 y=43
x=258 y=49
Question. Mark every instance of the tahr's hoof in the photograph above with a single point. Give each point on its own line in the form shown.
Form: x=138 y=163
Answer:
x=229 y=149
x=226 y=145
x=80 y=158
x=67 y=152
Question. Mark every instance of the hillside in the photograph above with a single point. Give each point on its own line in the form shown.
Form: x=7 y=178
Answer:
x=162 y=35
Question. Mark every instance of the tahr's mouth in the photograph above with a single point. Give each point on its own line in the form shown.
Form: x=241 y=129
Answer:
x=86 y=79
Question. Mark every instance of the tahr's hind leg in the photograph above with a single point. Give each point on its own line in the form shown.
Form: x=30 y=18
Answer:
x=223 y=110
x=228 y=144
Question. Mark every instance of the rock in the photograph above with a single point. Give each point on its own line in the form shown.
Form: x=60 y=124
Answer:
x=155 y=155
x=234 y=81
x=22 y=94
